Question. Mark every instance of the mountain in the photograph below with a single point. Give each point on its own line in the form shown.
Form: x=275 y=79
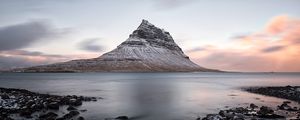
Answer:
x=148 y=49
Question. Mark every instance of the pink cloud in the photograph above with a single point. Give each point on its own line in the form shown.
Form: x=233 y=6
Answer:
x=275 y=48
x=21 y=58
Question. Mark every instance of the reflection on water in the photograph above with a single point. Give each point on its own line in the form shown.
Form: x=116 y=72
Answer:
x=149 y=96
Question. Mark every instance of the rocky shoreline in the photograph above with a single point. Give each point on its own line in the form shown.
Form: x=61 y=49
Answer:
x=253 y=112
x=285 y=92
x=25 y=104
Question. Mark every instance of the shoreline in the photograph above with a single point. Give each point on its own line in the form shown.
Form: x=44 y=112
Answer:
x=254 y=112
x=24 y=104
x=21 y=103
x=284 y=92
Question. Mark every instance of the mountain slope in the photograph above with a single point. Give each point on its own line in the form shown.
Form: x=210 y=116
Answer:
x=148 y=49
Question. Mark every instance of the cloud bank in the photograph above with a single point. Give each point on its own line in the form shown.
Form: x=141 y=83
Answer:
x=25 y=34
x=91 y=45
x=171 y=4
x=13 y=38
x=275 y=48
x=22 y=58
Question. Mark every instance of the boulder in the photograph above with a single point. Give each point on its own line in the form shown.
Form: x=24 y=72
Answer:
x=71 y=108
x=48 y=116
x=253 y=106
x=264 y=110
x=80 y=118
x=122 y=118
x=53 y=106
x=213 y=117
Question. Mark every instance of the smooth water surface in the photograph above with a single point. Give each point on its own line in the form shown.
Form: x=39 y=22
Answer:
x=153 y=96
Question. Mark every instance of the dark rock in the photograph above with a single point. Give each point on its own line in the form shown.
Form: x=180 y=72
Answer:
x=48 y=116
x=71 y=114
x=5 y=118
x=241 y=110
x=31 y=102
x=265 y=110
x=292 y=109
x=38 y=106
x=288 y=92
x=122 y=118
x=84 y=110
x=213 y=117
x=53 y=106
x=285 y=106
x=288 y=86
x=253 y=106
x=93 y=98
x=80 y=118
x=26 y=113
x=287 y=102
x=61 y=118
x=75 y=102
x=5 y=96
x=271 y=116
x=64 y=100
x=71 y=108
x=222 y=113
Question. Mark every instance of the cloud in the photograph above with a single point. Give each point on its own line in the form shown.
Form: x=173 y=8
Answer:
x=277 y=24
x=195 y=49
x=91 y=45
x=272 y=49
x=275 y=48
x=171 y=4
x=28 y=53
x=25 y=34
x=22 y=58
x=235 y=61
x=8 y=62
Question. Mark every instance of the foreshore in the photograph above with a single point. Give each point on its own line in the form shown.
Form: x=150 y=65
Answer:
x=24 y=104
x=285 y=92
x=253 y=112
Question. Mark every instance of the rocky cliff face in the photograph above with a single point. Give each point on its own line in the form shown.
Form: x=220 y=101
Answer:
x=148 y=49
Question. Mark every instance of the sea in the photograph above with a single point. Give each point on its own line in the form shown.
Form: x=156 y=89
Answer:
x=154 y=96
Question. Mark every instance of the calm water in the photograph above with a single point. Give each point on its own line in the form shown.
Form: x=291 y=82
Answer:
x=153 y=96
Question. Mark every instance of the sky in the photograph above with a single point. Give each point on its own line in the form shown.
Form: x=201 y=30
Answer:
x=230 y=35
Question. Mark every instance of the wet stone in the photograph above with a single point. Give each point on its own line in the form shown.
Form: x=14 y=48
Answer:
x=25 y=103
x=122 y=118
x=48 y=116
x=80 y=118
x=70 y=115
x=71 y=108
x=253 y=106
x=53 y=106
x=264 y=110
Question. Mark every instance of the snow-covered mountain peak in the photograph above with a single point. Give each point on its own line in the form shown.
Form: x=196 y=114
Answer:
x=145 y=23
x=149 y=34
x=148 y=49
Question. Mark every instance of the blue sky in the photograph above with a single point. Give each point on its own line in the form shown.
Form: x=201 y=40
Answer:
x=192 y=23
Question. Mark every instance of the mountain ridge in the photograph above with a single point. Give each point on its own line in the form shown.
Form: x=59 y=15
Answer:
x=148 y=49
